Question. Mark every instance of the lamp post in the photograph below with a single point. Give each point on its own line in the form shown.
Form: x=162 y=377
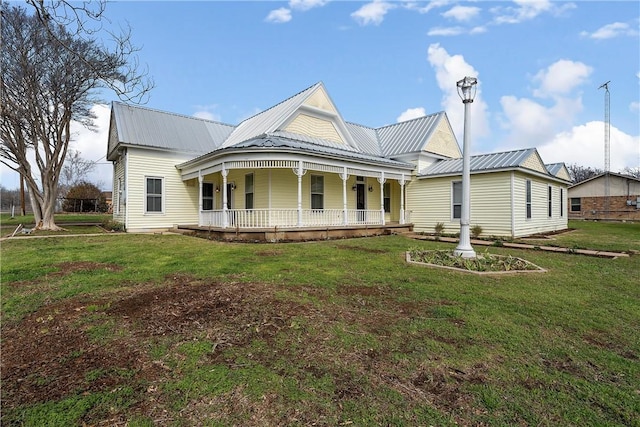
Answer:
x=467 y=91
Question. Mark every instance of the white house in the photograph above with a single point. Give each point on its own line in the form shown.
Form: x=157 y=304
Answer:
x=300 y=166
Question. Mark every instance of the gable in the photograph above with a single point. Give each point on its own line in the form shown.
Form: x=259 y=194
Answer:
x=534 y=162
x=315 y=127
x=443 y=141
x=319 y=99
x=564 y=174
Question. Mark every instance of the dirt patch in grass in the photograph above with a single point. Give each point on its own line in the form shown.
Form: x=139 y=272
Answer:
x=70 y=267
x=77 y=347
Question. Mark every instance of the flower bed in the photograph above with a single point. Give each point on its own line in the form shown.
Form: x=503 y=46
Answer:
x=482 y=264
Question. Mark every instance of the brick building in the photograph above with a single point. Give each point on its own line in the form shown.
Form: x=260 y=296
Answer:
x=588 y=199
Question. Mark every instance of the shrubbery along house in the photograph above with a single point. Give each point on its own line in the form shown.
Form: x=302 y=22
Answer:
x=299 y=166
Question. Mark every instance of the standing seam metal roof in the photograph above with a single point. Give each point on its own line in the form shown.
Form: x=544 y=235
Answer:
x=152 y=128
x=483 y=162
x=409 y=136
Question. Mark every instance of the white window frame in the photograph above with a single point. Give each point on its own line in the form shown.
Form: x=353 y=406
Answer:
x=453 y=201
x=146 y=195
x=561 y=202
x=312 y=193
x=550 y=201
x=528 y=190
x=212 y=197
x=249 y=190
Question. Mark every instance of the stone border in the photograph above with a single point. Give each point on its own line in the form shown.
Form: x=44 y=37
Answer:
x=479 y=273
x=556 y=249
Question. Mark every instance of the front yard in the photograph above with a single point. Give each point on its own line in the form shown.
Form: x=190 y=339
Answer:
x=145 y=330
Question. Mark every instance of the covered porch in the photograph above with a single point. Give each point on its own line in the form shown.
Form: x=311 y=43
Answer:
x=285 y=191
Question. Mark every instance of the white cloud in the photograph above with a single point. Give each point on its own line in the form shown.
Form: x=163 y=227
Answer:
x=279 y=16
x=561 y=77
x=412 y=5
x=462 y=13
x=446 y=31
x=526 y=10
x=305 y=5
x=449 y=69
x=584 y=145
x=411 y=113
x=634 y=106
x=372 y=13
x=610 y=31
x=93 y=145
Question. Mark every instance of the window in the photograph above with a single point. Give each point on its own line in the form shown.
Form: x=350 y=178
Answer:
x=248 y=191
x=549 y=201
x=207 y=196
x=561 y=202
x=154 y=195
x=457 y=199
x=386 y=190
x=317 y=192
x=528 y=199
x=575 y=204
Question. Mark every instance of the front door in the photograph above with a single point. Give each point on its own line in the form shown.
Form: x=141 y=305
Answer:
x=361 y=198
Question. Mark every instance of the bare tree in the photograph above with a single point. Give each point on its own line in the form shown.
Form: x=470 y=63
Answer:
x=51 y=71
x=582 y=173
x=75 y=170
x=634 y=172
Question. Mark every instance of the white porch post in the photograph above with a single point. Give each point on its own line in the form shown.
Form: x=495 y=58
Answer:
x=344 y=177
x=300 y=173
x=402 y=219
x=381 y=180
x=200 y=180
x=224 y=173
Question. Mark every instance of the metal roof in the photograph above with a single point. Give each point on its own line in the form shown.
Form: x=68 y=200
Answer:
x=158 y=129
x=279 y=141
x=483 y=162
x=408 y=137
x=266 y=120
x=554 y=168
x=365 y=137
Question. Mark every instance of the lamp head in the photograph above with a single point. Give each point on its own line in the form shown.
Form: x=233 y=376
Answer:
x=467 y=89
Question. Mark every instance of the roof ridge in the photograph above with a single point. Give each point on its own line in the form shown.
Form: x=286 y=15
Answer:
x=281 y=102
x=170 y=113
x=409 y=121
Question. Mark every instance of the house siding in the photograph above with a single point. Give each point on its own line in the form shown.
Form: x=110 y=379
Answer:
x=430 y=202
x=540 y=222
x=180 y=199
x=119 y=206
x=304 y=124
x=594 y=204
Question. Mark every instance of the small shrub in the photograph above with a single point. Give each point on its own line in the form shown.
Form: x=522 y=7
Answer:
x=476 y=231
x=111 y=225
x=439 y=228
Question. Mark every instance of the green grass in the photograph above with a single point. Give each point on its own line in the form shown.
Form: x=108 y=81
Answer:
x=606 y=236
x=186 y=331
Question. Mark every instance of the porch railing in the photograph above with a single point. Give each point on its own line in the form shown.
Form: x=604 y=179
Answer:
x=268 y=218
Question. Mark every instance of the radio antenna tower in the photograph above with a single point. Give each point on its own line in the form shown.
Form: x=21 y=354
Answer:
x=607 y=145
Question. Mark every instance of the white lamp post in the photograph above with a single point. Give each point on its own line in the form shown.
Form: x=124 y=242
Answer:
x=467 y=91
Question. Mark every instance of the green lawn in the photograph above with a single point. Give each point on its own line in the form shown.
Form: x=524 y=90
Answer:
x=171 y=330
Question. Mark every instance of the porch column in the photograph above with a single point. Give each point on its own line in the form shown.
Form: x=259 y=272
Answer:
x=402 y=220
x=381 y=180
x=300 y=173
x=200 y=180
x=224 y=173
x=344 y=177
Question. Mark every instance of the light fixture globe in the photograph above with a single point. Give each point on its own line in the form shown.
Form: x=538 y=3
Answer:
x=467 y=89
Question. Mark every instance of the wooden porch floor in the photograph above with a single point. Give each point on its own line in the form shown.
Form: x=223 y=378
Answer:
x=273 y=235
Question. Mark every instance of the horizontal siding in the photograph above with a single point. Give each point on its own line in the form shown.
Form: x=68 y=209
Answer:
x=491 y=203
x=118 y=203
x=430 y=202
x=304 y=124
x=540 y=222
x=180 y=199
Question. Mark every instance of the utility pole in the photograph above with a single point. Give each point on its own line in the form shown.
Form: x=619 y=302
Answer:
x=607 y=145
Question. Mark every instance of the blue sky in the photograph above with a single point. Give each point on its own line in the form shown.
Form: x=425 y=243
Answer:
x=539 y=65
